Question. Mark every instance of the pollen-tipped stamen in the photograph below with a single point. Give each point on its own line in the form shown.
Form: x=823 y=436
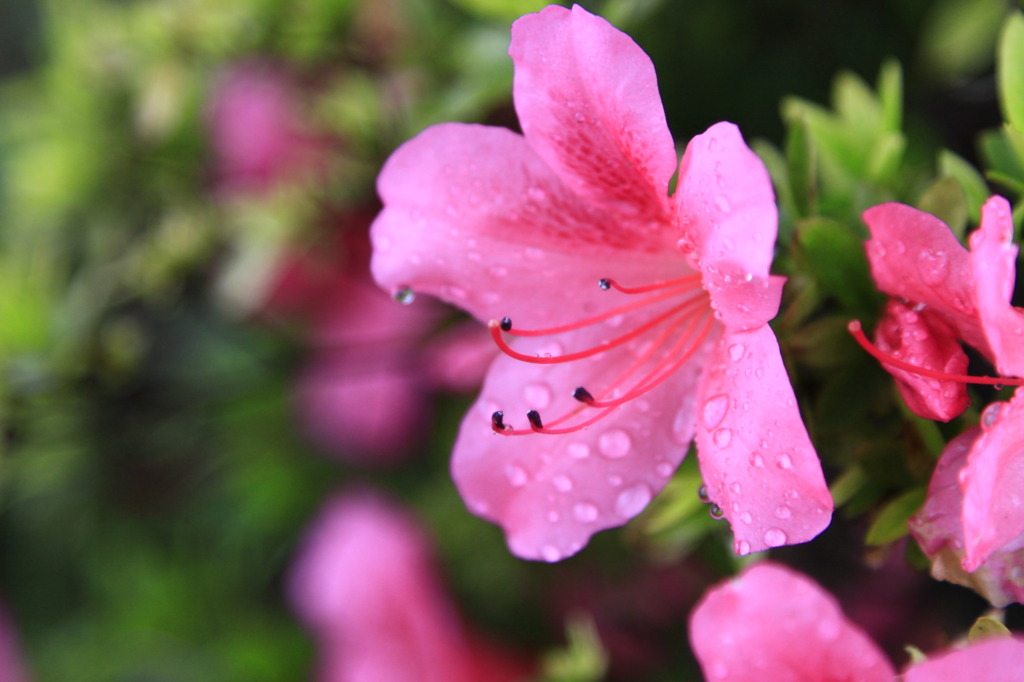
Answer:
x=857 y=331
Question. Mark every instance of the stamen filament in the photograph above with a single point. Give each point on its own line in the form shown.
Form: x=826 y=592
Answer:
x=672 y=283
x=857 y=331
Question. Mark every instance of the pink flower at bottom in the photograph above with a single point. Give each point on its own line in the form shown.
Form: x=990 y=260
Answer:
x=607 y=385
x=772 y=623
x=364 y=583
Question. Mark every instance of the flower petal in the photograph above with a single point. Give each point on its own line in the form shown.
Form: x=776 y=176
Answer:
x=925 y=340
x=915 y=256
x=755 y=456
x=588 y=102
x=550 y=493
x=473 y=216
x=772 y=623
x=994 y=259
x=725 y=205
x=993 y=482
x=990 y=660
x=938 y=528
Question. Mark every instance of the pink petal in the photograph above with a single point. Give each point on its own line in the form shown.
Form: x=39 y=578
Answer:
x=915 y=256
x=993 y=483
x=994 y=258
x=725 y=204
x=925 y=340
x=990 y=660
x=938 y=528
x=474 y=217
x=458 y=359
x=755 y=456
x=550 y=493
x=772 y=623
x=588 y=103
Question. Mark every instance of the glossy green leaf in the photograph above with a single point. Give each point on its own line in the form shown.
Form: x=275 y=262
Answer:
x=1010 y=70
x=891 y=523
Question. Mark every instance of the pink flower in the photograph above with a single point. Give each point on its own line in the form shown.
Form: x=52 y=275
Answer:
x=673 y=345
x=946 y=292
x=364 y=584
x=257 y=133
x=772 y=623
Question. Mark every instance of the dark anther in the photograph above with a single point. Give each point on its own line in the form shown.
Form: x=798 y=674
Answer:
x=583 y=395
x=716 y=511
x=506 y=324
x=498 y=421
x=534 y=417
x=702 y=493
x=604 y=284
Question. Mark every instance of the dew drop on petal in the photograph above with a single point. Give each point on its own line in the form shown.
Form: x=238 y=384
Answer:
x=614 y=443
x=562 y=483
x=516 y=475
x=722 y=437
x=614 y=480
x=682 y=426
x=783 y=512
x=715 y=409
x=742 y=548
x=550 y=553
x=756 y=460
x=404 y=295
x=735 y=487
x=585 y=512
x=773 y=537
x=990 y=415
x=632 y=500
x=537 y=194
x=722 y=202
x=554 y=516
x=537 y=396
x=498 y=270
x=784 y=461
x=664 y=469
x=579 y=450
x=737 y=351
x=933 y=266
x=745 y=517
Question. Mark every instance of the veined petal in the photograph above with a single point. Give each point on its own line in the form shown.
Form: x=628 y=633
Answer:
x=588 y=102
x=994 y=258
x=938 y=528
x=915 y=256
x=925 y=340
x=993 y=483
x=473 y=216
x=725 y=204
x=756 y=459
x=990 y=660
x=550 y=493
x=772 y=623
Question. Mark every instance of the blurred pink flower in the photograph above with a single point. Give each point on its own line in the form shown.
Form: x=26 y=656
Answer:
x=12 y=668
x=772 y=623
x=946 y=293
x=524 y=227
x=365 y=585
x=258 y=134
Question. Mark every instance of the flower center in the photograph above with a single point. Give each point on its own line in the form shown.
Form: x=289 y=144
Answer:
x=677 y=333
x=857 y=331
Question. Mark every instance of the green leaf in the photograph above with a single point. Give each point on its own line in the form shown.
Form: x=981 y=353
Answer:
x=958 y=34
x=946 y=200
x=835 y=255
x=890 y=93
x=583 y=659
x=891 y=523
x=501 y=10
x=970 y=180
x=1010 y=70
x=986 y=628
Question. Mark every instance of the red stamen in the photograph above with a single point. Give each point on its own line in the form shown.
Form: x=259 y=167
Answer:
x=496 y=334
x=672 y=283
x=857 y=331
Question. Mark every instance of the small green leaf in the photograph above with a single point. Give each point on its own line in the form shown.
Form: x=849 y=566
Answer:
x=501 y=10
x=890 y=92
x=971 y=182
x=958 y=35
x=583 y=659
x=891 y=523
x=1010 y=70
x=916 y=655
x=945 y=199
x=835 y=255
x=986 y=628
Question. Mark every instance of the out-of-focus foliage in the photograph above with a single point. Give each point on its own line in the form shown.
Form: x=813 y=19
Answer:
x=154 y=478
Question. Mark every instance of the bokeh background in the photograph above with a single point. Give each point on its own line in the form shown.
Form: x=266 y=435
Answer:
x=193 y=360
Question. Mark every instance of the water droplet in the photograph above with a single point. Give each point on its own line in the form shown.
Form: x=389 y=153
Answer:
x=745 y=517
x=742 y=547
x=773 y=537
x=615 y=322
x=664 y=469
x=579 y=450
x=784 y=461
x=533 y=253
x=585 y=512
x=759 y=373
x=736 y=352
x=554 y=516
x=735 y=487
x=933 y=266
x=457 y=293
x=562 y=483
x=632 y=500
x=580 y=118
x=614 y=481
x=404 y=295
x=537 y=396
x=516 y=475
x=991 y=415
x=715 y=410
x=614 y=443
x=682 y=426
x=722 y=202
x=722 y=437
x=498 y=270
x=716 y=512
x=783 y=512
x=550 y=553
x=756 y=460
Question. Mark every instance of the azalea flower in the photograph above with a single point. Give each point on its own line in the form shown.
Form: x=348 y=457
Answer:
x=638 y=320
x=772 y=623
x=365 y=584
x=975 y=509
